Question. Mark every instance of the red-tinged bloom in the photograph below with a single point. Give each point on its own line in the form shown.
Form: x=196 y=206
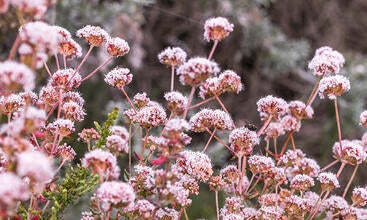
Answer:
x=172 y=56
x=363 y=119
x=326 y=61
x=94 y=35
x=141 y=100
x=66 y=79
x=115 y=194
x=351 y=152
x=260 y=164
x=302 y=182
x=176 y=102
x=270 y=106
x=299 y=110
x=333 y=86
x=217 y=29
x=359 y=196
x=117 y=47
x=101 y=162
x=118 y=77
x=243 y=141
x=13 y=191
x=328 y=181
x=159 y=161
x=196 y=70
x=15 y=76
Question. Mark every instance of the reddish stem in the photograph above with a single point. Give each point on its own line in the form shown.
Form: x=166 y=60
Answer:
x=189 y=102
x=14 y=48
x=262 y=129
x=208 y=142
x=350 y=180
x=172 y=77
x=202 y=102
x=98 y=68
x=338 y=123
x=213 y=49
x=128 y=99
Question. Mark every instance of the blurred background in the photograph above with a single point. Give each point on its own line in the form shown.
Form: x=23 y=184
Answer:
x=270 y=47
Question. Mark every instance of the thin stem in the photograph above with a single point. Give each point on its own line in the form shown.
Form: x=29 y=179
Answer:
x=314 y=92
x=240 y=168
x=267 y=122
x=275 y=146
x=286 y=143
x=64 y=60
x=314 y=212
x=340 y=169
x=130 y=148
x=329 y=165
x=338 y=123
x=47 y=69
x=293 y=145
x=84 y=58
x=57 y=61
x=217 y=204
x=350 y=180
x=222 y=105
x=144 y=144
x=213 y=49
x=189 y=102
x=202 y=102
x=128 y=99
x=208 y=142
x=186 y=217
x=172 y=77
x=61 y=164
x=98 y=68
x=14 y=48
x=220 y=140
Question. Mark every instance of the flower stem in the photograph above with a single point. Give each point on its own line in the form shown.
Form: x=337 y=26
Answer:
x=217 y=204
x=350 y=180
x=210 y=139
x=14 y=48
x=213 y=49
x=84 y=58
x=267 y=122
x=128 y=99
x=189 y=102
x=340 y=169
x=286 y=143
x=329 y=165
x=314 y=92
x=98 y=68
x=57 y=61
x=338 y=123
x=172 y=77
x=202 y=102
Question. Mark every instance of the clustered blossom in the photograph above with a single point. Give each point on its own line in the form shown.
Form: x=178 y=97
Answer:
x=66 y=79
x=299 y=110
x=141 y=100
x=350 y=152
x=118 y=77
x=359 y=196
x=270 y=106
x=274 y=130
x=117 y=47
x=62 y=127
x=12 y=190
x=302 y=182
x=150 y=116
x=101 y=162
x=94 y=35
x=363 y=119
x=260 y=164
x=67 y=46
x=217 y=29
x=117 y=144
x=115 y=194
x=228 y=81
x=328 y=181
x=15 y=76
x=243 y=140
x=176 y=102
x=290 y=123
x=196 y=70
x=326 y=61
x=172 y=56
x=195 y=164
x=208 y=119
x=333 y=86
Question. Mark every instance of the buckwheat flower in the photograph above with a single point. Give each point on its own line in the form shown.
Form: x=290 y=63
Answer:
x=88 y=134
x=74 y=97
x=249 y=213
x=120 y=131
x=117 y=47
x=101 y=162
x=196 y=70
x=229 y=216
x=66 y=79
x=270 y=212
x=216 y=183
x=118 y=77
x=117 y=144
x=268 y=199
x=73 y=111
x=299 y=110
x=14 y=143
x=166 y=213
x=195 y=164
x=311 y=199
x=221 y=120
x=232 y=205
x=307 y=166
x=87 y=216
x=290 y=123
x=143 y=181
x=70 y=48
x=290 y=158
x=295 y=205
x=333 y=86
x=260 y=164
x=302 y=182
x=115 y=194
x=210 y=87
x=363 y=119
x=216 y=29
x=176 y=102
x=359 y=196
x=66 y=152
x=230 y=174
x=29 y=97
x=326 y=61
x=328 y=181
x=35 y=165
x=176 y=126
x=152 y=115
x=62 y=127
x=276 y=176
x=10 y=104
x=351 y=152
x=274 y=130
x=4 y=160
x=334 y=204
x=201 y=120
x=179 y=193
x=16 y=76
x=41 y=36
x=270 y=106
x=141 y=100
x=94 y=35
x=12 y=190
x=34 y=118
x=144 y=209
x=48 y=95
x=351 y=213
x=243 y=140
x=230 y=81
x=172 y=56
x=189 y=184
x=36 y=8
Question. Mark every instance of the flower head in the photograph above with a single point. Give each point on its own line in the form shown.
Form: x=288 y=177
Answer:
x=217 y=29
x=270 y=106
x=35 y=165
x=196 y=70
x=94 y=35
x=326 y=61
x=260 y=164
x=118 y=77
x=302 y=182
x=350 y=152
x=115 y=194
x=117 y=47
x=15 y=76
x=176 y=102
x=243 y=140
x=66 y=79
x=328 y=181
x=299 y=110
x=333 y=86
x=101 y=162
x=12 y=190
x=195 y=164
x=172 y=56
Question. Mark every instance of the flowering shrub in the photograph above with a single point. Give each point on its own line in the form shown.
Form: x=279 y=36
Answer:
x=274 y=183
